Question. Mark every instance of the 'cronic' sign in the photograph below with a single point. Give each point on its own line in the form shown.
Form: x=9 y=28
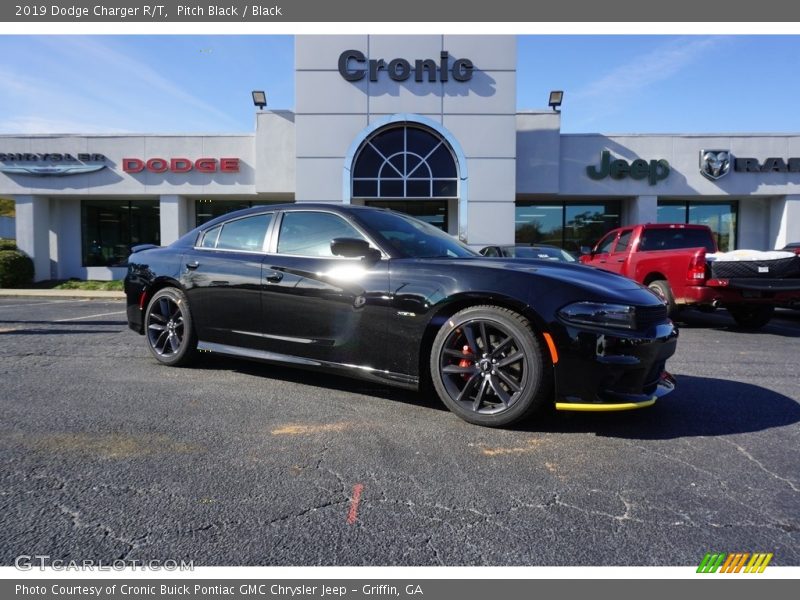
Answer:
x=354 y=66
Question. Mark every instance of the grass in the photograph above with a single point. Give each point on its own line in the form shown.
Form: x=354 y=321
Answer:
x=74 y=284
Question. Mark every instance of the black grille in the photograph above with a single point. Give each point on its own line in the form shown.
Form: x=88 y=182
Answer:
x=647 y=316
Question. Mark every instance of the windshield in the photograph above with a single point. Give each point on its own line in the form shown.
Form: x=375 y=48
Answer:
x=410 y=237
x=543 y=253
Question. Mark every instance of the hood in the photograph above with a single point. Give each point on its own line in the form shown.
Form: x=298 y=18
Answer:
x=569 y=273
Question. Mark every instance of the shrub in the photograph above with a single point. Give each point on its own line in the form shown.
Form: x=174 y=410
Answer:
x=16 y=268
x=6 y=244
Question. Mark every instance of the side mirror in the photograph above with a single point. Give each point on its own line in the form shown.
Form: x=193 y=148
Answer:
x=353 y=248
x=586 y=250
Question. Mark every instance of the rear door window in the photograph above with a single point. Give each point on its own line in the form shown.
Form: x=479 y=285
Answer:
x=242 y=235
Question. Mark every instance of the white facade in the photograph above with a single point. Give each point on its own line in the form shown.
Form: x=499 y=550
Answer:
x=504 y=157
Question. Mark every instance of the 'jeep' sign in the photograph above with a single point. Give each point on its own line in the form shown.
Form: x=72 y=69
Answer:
x=654 y=170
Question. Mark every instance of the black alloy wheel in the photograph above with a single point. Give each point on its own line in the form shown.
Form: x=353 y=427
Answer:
x=487 y=366
x=168 y=328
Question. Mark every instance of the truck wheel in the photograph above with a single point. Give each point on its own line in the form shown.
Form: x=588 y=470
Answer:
x=751 y=317
x=661 y=289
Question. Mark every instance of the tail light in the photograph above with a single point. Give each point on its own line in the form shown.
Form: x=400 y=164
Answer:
x=696 y=275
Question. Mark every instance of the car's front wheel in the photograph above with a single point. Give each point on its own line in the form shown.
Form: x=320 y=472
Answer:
x=169 y=329
x=488 y=367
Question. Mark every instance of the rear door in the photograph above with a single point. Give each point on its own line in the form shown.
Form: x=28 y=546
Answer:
x=222 y=276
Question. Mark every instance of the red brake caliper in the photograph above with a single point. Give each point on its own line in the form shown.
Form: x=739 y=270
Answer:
x=467 y=361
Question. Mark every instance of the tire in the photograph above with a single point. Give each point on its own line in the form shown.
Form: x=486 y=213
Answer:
x=661 y=289
x=751 y=317
x=169 y=330
x=492 y=394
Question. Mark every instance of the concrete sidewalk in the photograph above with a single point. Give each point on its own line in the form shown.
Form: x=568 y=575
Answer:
x=83 y=294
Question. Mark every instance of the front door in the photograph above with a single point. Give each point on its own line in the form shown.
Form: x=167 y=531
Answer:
x=320 y=306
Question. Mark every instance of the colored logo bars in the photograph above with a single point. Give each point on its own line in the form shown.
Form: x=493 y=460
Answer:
x=734 y=562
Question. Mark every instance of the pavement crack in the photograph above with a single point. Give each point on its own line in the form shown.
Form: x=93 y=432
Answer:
x=435 y=550
x=302 y=513
x=105 y=530
x=761 y=466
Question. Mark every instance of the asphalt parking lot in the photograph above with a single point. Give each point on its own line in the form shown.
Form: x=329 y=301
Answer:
x=107 y=455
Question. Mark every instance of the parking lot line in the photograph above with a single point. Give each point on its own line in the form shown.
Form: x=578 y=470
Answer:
x=118 y=312
x=40 y=303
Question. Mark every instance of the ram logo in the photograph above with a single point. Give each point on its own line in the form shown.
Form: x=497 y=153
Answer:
x=715 y=163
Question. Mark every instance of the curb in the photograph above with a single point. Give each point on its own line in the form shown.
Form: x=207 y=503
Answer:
x=82 y=294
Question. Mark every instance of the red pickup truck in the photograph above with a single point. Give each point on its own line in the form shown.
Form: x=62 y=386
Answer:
x=671 y=259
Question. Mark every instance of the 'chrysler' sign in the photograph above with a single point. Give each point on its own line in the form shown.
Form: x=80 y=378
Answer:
x=50 y=163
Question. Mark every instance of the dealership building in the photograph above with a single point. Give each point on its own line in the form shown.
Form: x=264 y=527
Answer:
x=424 y=124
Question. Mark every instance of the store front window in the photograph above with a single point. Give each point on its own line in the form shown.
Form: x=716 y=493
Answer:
x=405 y=162
x=109 y=228
x=408 y=168
x=205 y=210
x=721 y=217
x=566 y=224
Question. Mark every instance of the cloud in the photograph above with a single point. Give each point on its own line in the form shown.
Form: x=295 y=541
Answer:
x=25 y=124
x=628 y=81
x=140 y=74
x=83 y=84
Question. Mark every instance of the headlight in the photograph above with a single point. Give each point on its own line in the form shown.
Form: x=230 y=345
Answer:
x=600 y=314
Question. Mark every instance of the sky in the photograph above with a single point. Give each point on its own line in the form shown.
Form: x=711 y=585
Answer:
x=192 y=83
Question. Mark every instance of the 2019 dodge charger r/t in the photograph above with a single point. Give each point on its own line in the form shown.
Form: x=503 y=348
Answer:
x=375 y=294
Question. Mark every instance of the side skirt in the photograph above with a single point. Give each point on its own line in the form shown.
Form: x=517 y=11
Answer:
x=355 y=371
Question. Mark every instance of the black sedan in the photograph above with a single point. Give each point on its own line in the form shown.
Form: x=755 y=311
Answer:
x=540 y=251
x=375 y=294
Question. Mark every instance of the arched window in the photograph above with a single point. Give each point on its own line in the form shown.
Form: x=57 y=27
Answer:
x=408 y=161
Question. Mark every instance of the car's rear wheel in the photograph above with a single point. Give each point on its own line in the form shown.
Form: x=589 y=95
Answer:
x=753 y=316
x=488 y=368
x=169 y=329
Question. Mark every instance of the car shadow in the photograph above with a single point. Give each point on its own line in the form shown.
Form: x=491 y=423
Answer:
x=784 y=323
x=318 y=379
x=699 y=406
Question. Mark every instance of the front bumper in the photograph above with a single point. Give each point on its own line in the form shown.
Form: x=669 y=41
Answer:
x=601 y=370
x=623 y=402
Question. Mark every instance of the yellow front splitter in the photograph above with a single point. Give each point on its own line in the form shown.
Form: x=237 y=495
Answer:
x=604 y=407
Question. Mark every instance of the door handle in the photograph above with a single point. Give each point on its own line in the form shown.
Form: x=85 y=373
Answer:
x=192 y=265
x=602 y=261
x=275 y=277
x=620 y=260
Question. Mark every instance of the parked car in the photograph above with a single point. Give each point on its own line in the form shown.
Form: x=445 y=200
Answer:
x=681 y=264
x=793 y=247
x=540 y=251
x=379 y=295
